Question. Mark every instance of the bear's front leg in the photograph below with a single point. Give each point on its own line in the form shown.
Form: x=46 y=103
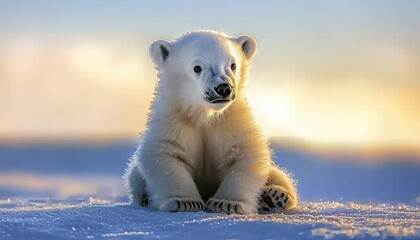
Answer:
x=171 y=186
x=239 y=189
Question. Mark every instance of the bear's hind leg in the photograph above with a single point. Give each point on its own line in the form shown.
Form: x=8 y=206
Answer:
x=279 y=194
x=136 y=184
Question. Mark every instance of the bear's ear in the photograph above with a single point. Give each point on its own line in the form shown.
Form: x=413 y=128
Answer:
x=159 y=51
x=248 y=45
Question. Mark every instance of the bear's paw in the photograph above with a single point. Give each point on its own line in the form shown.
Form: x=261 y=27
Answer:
x=227 y=206
x=182 y=205
x=274 y=199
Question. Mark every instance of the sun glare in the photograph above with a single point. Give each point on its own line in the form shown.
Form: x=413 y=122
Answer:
x=374 y=116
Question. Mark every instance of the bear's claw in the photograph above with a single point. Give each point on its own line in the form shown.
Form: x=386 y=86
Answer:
x=144 y=200
x=225 y=206
x=182 y=205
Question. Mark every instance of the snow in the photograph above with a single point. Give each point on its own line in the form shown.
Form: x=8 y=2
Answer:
x=99 y=218
x=84 y=199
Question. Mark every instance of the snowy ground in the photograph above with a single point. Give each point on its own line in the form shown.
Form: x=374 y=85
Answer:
x=50 y=192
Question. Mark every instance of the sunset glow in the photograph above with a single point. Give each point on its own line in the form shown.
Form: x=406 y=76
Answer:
x=372 y=116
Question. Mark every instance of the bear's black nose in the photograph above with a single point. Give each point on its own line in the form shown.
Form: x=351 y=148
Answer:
x=223 y=90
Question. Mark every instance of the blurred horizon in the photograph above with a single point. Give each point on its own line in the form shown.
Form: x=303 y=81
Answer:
x=358 y=153
x=330 y=74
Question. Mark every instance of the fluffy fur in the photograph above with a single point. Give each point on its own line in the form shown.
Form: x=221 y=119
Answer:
x=198 y=155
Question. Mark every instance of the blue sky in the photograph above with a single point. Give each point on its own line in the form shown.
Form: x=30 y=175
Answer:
x=263 y=17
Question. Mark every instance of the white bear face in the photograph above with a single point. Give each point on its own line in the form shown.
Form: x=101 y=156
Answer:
x=203 y=68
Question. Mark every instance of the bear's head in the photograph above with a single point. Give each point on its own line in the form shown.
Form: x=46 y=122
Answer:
x=203 y=69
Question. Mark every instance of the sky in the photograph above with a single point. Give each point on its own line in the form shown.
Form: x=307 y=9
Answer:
x=329 y=72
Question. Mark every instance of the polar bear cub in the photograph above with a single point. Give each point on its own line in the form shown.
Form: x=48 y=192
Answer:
x=202 y=149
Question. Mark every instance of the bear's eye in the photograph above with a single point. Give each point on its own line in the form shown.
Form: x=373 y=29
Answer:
x=197 y=69
x=233 y=66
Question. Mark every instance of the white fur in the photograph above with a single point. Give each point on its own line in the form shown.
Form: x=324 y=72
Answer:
x=193 y=149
